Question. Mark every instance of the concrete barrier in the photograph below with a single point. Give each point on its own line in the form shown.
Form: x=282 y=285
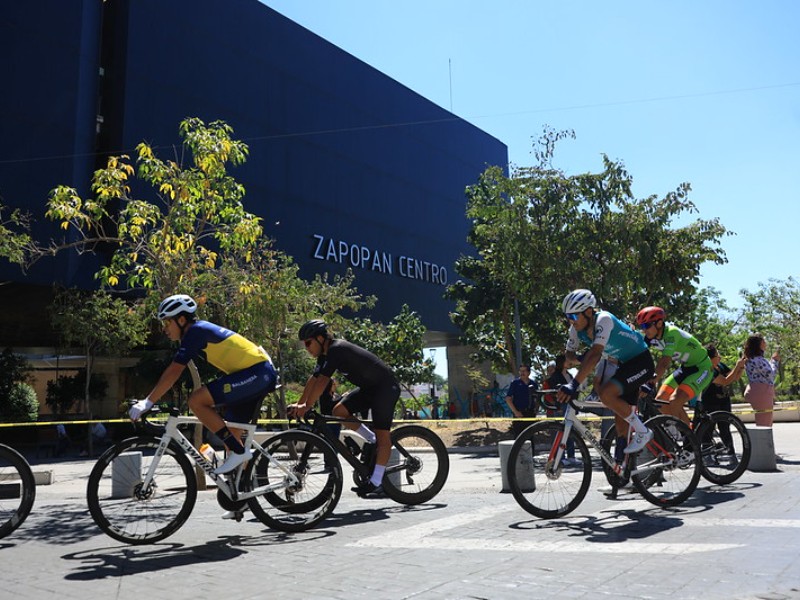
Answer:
x=126 y=473
x=524 y=466
x=762 y=457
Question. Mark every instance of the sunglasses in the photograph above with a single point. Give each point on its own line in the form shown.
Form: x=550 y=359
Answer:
x=644 y=326
x=573 y=316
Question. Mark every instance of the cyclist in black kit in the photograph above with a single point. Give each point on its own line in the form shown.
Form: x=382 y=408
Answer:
x=377 y=390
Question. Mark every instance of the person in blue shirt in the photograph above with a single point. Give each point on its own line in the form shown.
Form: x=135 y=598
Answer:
x=607 y=336
x=248 y=374
x=520 y=399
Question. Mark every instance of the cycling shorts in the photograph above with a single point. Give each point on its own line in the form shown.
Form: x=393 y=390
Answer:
x=380 y=400
x=242 y=392
x=632 y=374
x=698 y=377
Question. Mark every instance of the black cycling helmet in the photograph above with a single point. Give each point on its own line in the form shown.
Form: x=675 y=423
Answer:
x=312 y=329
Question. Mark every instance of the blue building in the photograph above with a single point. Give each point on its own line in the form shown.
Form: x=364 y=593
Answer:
x=348 y=167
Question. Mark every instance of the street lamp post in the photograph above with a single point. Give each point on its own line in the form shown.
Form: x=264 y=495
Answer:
x=434 y=399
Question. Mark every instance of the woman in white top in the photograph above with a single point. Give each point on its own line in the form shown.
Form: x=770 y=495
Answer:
x=760 y=391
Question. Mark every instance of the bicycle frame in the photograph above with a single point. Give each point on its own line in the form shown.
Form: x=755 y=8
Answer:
x=571 y=421
x=229 y=485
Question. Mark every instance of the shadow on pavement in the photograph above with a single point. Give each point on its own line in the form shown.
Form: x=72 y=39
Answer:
x=130 y=560
x=61 y=524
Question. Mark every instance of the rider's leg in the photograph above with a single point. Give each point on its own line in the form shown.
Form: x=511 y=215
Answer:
x=610 y=396
x=202 y=405
x=383 y=451
x=677 y=399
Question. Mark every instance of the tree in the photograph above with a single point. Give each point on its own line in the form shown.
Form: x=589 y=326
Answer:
x=98 y=323
x=14 y=239
x=539 y=233
x=175 y=241
x=15 y=390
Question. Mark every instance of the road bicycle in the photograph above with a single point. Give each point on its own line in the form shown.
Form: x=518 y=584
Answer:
x=144 y=488
x=418 y=466
x=17 y=490
x=725 y=446
x=665 y=472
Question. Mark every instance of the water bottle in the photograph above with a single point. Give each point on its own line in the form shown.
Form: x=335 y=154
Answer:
x=208 y=452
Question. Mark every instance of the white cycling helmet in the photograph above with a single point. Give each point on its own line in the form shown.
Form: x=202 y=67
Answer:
x=578 y=301
x=176 y=305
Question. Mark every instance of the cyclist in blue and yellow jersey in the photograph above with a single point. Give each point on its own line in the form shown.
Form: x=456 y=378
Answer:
x=377 y=391
x=676 y=345
x=607 y=336
x=249 y=374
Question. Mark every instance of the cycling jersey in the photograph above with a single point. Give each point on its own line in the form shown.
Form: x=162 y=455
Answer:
x=619 y=341
x=377 y=387
x=226 y=350
x=680 y=346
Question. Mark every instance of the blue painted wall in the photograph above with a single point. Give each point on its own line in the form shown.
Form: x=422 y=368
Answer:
x=342 y=157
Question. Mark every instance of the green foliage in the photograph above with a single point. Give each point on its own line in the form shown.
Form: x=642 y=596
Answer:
x=14 y=239
x=20 y=405
x=398 y=344
x=13 y=369
x=540 y=233
x=67 y=390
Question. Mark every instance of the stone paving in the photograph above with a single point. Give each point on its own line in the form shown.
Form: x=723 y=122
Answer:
x=739 y=541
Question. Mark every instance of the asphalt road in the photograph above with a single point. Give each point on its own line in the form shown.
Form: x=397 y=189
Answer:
x=738 y=541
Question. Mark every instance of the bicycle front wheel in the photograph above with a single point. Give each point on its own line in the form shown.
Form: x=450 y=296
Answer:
x=544 y=487
x=295 y=504
x=667 y=470
x=724 y=447
x=17 y=490
x=128 y=511
x=418 y=465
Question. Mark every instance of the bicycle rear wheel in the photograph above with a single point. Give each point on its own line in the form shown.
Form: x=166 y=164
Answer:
x=301 y=505
x=541 y=486
x=127 y=511
x=418 y=466
x=724 y=447
x=17 y=490
x=667 y=470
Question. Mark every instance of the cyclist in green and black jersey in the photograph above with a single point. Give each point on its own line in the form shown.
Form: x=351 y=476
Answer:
x=695 y=371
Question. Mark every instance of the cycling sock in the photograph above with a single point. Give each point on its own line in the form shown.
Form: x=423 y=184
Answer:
x=377 y=475
x=366 y=433
x=619 y=448
x=230 y=440
x=635 y=422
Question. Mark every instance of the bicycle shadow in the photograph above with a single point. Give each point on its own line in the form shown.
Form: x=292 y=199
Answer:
x=122 y=561
x=367 y=515
x=616 y=526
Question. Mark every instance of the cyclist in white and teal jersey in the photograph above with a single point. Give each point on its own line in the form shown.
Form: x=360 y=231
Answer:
x=676 y=345
x=607 y=336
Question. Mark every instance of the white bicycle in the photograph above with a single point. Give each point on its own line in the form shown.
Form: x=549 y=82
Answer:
x=143 y=489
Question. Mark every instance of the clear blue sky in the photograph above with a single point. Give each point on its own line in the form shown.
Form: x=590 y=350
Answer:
x=704 y=92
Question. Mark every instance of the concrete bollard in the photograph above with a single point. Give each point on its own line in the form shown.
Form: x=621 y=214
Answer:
x=524 y=466
x=762 y=457
x=126 y=473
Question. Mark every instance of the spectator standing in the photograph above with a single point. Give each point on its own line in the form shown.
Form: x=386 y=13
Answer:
x=520 y=399
x=760 y=390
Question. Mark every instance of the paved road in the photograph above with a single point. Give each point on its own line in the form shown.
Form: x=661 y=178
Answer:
x=735 y=542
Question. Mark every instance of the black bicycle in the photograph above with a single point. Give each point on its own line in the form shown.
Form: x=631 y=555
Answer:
x=418 y=466
x=725 y=446
x=17 y=490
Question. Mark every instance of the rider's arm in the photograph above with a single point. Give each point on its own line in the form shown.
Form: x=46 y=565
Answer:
x=315 y=386
x=662 y=365
x=168 y=378
x=589 y=362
